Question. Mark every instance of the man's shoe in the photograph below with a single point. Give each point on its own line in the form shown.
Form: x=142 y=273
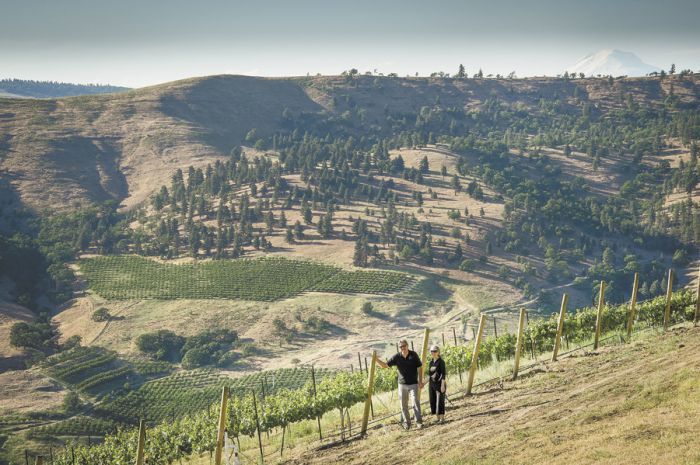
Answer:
x=419 y=425
x=406 y=426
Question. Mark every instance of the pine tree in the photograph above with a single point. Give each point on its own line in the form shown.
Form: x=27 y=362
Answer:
x=298 y=230
x=644 y=290
x=270 y=221
x=360 y=255
x=306 y=212
x=654 y=288
x=458 y=254
x=424 y=166
x=283 y=220
x=461 y=72
x=456 y=185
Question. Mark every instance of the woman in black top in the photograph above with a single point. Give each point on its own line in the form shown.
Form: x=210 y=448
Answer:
x=437 y=387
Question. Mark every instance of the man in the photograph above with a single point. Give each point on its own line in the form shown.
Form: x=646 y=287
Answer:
x=410 y=381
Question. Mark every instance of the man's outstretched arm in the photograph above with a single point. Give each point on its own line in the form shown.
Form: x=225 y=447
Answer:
x=381 y=363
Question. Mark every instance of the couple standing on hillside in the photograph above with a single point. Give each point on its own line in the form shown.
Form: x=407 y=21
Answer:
x=411 y=382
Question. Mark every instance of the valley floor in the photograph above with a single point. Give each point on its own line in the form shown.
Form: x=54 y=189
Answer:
x=631 y=404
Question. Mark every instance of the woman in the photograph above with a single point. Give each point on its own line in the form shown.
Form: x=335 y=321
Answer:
x=437 y=386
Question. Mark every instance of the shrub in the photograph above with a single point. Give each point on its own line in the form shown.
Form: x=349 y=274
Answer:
x=196 y=357
x=215 y=339
x=227 y=359
x=36 y=335
x=71 y=403
x=316 y=325
x=101 y=314
x=162 y=344
x=71 y=342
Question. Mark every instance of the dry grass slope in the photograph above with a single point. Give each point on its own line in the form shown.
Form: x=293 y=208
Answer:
x=119 y=146
x=634 y=404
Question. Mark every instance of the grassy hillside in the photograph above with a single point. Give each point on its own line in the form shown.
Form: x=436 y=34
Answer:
x=622 y=404
x=92 y=148
x=320 y=217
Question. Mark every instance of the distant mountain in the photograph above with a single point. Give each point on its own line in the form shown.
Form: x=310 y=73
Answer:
x=612 y=62
x=49 y=89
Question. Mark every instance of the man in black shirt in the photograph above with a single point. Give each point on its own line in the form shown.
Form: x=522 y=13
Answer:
x=410 y=381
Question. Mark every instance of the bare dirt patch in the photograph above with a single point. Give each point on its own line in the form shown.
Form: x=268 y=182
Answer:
x=26 y=391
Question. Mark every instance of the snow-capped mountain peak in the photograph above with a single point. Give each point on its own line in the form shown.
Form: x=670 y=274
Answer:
x=612 y=62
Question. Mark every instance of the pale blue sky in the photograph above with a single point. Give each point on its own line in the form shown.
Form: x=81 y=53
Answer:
x=144 y=42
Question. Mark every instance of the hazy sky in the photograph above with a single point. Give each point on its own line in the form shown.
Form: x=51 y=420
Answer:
x=137 y=43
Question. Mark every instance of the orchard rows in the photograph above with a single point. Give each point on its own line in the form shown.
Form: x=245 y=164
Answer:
x=265 y=279
x=170 y=441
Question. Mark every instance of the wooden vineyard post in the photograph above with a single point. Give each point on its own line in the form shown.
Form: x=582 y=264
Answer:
x=423 y=356
x=284 y=430
x=370 y=390
x=257 y=427
x=142 y=442
x=495 y=327
x=475 y=354
x=633 y=307
x=560 y=326
x=371 y=405
x=669 y=295
x=443 y=339
x=697 y=302
x=359 y=362
x=222 y=426
x=519 y=343
x=318 y=418
x=454 y=335
x=599 y=317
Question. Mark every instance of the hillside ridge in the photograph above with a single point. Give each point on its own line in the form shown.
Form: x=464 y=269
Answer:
x=95 y=148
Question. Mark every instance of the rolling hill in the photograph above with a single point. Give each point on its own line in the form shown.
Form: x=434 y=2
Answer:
x=23 y=88
x=94 y=148
x=319 y=217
